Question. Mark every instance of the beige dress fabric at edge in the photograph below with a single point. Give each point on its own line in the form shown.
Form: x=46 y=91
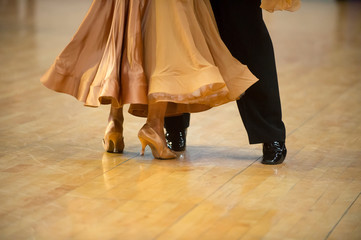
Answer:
x=275 y=5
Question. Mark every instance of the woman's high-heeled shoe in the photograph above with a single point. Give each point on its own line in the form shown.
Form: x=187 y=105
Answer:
x=148 y=136
x=113 y=140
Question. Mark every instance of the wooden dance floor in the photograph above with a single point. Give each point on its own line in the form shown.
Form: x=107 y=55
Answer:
x=56 y=182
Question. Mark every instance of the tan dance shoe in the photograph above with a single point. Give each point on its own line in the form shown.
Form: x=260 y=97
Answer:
x=113 y=140
x=148 y=136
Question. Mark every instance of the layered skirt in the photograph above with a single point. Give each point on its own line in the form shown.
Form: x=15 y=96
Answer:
x=144 y=51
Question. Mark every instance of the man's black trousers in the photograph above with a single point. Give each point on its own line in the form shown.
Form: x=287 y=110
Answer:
x=244 y=32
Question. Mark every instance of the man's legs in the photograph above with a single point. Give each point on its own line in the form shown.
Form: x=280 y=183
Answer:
x=176 y=131
x=243 y=31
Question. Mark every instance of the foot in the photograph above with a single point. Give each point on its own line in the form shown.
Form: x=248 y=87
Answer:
x=274 y=153
x=113 y=140
x=148 y=136
x=176 y=140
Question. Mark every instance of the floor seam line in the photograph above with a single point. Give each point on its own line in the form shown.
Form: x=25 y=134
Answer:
x=322 y=110
x=343 y=215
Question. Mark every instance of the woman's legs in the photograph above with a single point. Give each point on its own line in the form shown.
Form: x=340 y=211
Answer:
x=151 y=134
x=155 y=119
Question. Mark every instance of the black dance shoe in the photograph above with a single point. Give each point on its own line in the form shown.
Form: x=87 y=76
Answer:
x=176 y=140
x=274 y=153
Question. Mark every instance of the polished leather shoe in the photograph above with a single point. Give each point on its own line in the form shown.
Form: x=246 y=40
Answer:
x=176 y=140
x=274 y=153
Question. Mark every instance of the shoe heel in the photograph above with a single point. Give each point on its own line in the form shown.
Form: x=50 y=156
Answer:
x=113 y=142
x=144 y=144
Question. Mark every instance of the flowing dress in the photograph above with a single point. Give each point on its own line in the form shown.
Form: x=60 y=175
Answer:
x=143 y=51
x=275 y=5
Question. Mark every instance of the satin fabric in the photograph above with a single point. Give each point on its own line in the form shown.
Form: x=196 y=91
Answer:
x=279 y=5
x=142 y=51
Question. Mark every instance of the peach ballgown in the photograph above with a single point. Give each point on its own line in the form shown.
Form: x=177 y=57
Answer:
x=136 y=51
x=140 y=51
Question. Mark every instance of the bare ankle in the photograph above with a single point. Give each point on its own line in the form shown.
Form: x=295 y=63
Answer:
x=156 y=127
x=115 y=120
